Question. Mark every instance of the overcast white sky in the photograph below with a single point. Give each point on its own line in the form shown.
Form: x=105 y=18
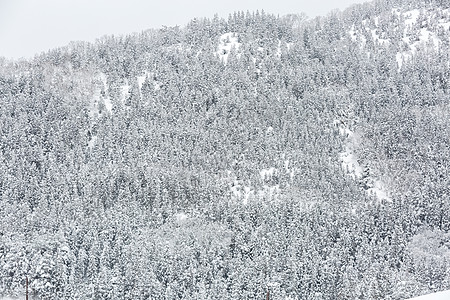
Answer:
x=31 y=26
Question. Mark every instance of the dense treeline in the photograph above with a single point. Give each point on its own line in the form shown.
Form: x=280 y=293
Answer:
x=149 y=166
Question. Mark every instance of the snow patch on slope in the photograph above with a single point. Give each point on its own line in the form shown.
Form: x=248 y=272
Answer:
x=125 y=91
x=268 y=186
x=423 y=36
x=227 y=41
x=352 y=167
x=376 y=37
x=411 y=17
x=92 y=142
x=141 y=80
x=107 y=99
x=267 y=174
x=350 y=162
x=180 y=217
x=352 y=33
x=420 y=31
x=444 y=295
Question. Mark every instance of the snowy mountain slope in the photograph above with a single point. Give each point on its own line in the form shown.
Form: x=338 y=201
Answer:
x=352 y=167
x=227 y=42
x=444 y=295
x=407 y=30
x=156 y=166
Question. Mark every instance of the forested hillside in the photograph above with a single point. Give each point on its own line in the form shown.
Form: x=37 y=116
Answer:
x=231 y=158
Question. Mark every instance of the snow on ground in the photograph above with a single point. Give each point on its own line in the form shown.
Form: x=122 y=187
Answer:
x=351 y=166
x=227 y=41
x=350 y=162
x=401 y=57
x=125 y=91
x=97 y=96
x=424 y=35
x=180 y=217
x=376 y=21
x=445 y=21
x=241 y=192
x=414 y=35
x=157 y=86
x=378 y=191
x=267 y=174
x=265 y=188
x=445 y=25
x=376 y=37
x=141 y=80
x=352 y=33
x=247 y=193
x=278 y=53
x=348 y=158
x=444 y=295
x=108 y=103
x=270 y=192
x=411 y=17
x=92 y=142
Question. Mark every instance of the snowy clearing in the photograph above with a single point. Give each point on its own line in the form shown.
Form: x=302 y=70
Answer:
x=227 y=41
x=352 y=167
x=444 y=295
x=108 y=103
x=411 y=17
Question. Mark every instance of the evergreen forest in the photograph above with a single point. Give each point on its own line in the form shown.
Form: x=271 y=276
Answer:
x=244 y=157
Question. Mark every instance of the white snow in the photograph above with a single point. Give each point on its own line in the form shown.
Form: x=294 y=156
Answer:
x=270 y=192
x=235 y=190
x=267 y=174
x=141 y=80
x=157 y=85
x=125 y=91
x=399 y=57
x=376 y=21
x=292 y=175
x=376 y=37
x=444 y=295
x=241 y=192
x=92 y=142
x=378 y=191
x=286 y=165
x=350 y=163
x=352 y=33
x=108 y=103
x=97 y=97
x=445 y=25
x=425 y=35
x=246 y=190
x=411 y=17
x=247 y=193
x=343 y=130
x=227 y=41
x=180 y=217
x=278 y=53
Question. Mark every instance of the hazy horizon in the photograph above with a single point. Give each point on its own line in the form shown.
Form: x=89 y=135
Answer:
x=29 y=27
